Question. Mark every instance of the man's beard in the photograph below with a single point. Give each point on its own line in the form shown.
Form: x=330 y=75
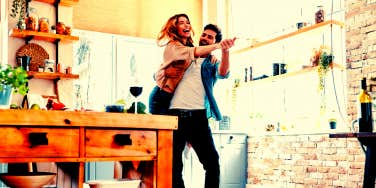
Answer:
x=203 y=43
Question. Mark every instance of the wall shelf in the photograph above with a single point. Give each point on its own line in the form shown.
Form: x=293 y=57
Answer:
x=328 y=23
x=50 y=37
x=290 y=74
x=51 y=76
x=62 y=2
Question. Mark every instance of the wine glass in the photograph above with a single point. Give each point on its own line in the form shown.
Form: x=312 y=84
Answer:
x=135 y=91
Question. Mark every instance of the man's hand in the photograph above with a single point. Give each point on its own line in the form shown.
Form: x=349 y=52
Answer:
x=227 y=44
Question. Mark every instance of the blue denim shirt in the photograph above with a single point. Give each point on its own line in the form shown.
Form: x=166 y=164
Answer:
x=209 y=75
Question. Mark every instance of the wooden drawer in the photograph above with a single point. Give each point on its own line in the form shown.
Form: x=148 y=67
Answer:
x=115 y=143
x=39 y=142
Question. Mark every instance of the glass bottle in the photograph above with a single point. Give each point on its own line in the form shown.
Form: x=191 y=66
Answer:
x=365 y=109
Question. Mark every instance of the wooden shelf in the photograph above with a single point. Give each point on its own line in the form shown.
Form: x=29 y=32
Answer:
x=288 y=35
x=50 y=37
x=62 y=2
x=290 y=74
x=51 y=76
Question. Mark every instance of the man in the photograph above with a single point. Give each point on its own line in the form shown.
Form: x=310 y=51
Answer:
x=193 y=102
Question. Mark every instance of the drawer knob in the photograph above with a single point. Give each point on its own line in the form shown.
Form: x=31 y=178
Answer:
x=67 y=121
x=123 y=139
x=36 y=139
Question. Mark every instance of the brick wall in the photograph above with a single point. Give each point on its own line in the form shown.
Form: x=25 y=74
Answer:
x=360 y=48
x=316 y=160
x=296 y=161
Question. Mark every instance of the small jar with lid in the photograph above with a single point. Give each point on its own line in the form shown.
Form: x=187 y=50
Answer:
x=44 y=25
x=319 y=15
x=60 y=28
x=68 y=30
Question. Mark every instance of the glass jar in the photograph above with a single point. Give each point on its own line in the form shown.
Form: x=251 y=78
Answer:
x=319 y=15
x=32 y=20
x=44 y=25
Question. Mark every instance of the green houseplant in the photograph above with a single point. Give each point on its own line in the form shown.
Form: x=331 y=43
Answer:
x=15 y=78
x=323 y=59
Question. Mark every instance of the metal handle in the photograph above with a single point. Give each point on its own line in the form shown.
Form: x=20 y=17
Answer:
x=123 y=139
x=37 y=139
x=353 y=125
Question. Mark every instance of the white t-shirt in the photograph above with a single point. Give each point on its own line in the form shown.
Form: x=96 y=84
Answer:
x=190 y=92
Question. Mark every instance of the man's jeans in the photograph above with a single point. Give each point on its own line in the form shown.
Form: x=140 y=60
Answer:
x=194 y=128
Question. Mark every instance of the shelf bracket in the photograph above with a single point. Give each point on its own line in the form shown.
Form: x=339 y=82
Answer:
x=56 y=5
x=28 y=39
x=56 y=88
x=57 y=41
x=27 y=7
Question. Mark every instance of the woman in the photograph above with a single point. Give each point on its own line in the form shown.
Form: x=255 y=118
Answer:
x=179 y=52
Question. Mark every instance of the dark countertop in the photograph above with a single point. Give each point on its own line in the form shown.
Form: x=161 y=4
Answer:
x=353 y=135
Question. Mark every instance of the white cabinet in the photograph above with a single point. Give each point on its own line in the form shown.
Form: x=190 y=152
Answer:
x=232 y=149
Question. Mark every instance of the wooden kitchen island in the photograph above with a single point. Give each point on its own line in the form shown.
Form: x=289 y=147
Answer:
x=79 y=137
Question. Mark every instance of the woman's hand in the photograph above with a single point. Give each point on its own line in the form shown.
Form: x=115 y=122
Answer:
x=213 y=59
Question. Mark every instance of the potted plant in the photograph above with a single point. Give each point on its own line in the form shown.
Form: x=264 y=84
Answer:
x=19 y=8
x=12 y=79
x=323 y=59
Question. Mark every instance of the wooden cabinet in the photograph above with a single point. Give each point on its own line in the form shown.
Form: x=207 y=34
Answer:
x=120 y=143
x=79 y=137
x=39 y=142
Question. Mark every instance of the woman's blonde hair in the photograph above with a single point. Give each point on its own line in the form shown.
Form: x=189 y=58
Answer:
x=169 y=32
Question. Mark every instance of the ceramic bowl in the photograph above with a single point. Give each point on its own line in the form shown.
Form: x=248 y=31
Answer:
x=28 y=180
x=115 y=108
x=114 y=183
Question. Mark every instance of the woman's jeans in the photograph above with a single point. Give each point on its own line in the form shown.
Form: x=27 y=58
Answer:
x=159 y=101
x=194 y=128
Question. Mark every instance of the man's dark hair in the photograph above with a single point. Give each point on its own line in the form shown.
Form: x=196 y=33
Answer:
x=215 y=28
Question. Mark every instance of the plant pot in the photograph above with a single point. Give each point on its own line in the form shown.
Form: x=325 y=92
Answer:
x=21 y=25
x=5 y=97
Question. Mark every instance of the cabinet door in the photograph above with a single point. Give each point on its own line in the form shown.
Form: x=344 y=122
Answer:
x=232 y=149
x=3 y=169
x=233 y=159
x=99 y=171
x=193 y=172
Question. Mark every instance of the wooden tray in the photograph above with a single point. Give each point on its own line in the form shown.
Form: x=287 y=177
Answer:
x=37 y=54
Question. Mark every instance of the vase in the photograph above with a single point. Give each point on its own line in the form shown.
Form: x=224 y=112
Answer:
x=5 y=97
